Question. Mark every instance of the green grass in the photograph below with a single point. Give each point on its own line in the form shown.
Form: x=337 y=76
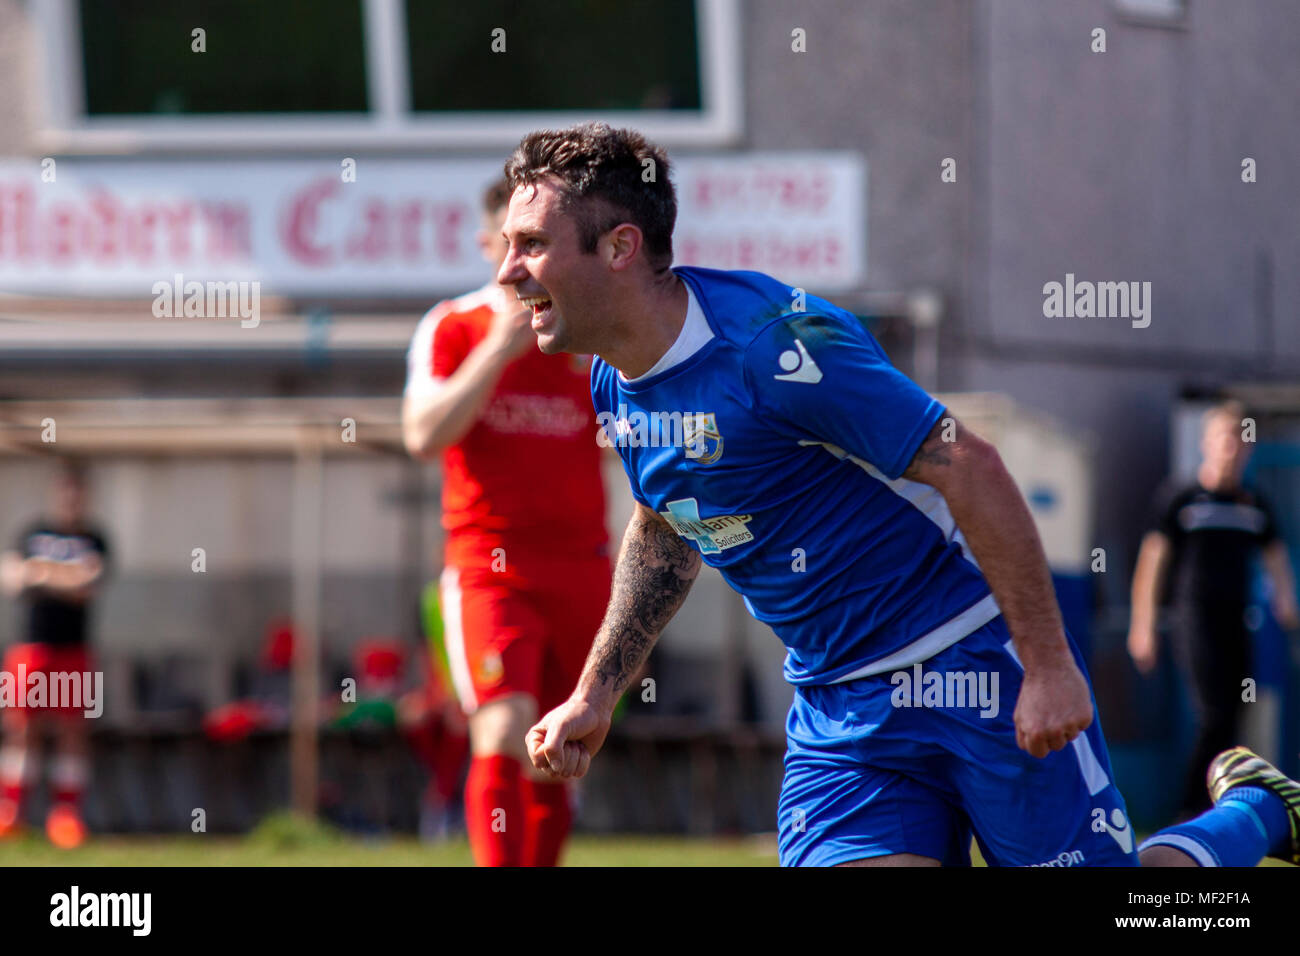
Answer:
x=283 y=840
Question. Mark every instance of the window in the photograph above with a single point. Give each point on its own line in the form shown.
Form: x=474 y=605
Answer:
x=291 y=56
x=352 y=74
x=626 y=56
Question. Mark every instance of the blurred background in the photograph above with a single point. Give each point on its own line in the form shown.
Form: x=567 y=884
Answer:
x=928 y=165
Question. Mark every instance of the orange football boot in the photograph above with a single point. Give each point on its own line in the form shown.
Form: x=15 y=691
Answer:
x=64 y=827
x=11 y=823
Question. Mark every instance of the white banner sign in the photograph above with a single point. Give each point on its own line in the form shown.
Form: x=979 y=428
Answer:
x=402 y=228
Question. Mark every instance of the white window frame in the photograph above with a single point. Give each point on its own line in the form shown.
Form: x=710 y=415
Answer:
x=389 y=125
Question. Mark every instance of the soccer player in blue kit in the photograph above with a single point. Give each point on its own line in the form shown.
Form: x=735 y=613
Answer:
x=872 y=532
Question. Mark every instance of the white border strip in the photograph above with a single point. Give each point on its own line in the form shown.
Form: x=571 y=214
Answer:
x=1201 y=854
x=926 y=646
x=453 y=635
x=391 y=126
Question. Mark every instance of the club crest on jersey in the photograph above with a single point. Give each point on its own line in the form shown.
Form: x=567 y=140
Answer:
x=701 y=436
x=490 y=668
x=712 y=535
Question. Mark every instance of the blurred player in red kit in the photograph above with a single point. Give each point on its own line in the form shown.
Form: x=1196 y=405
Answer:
x=526 y=568
x=56 y=569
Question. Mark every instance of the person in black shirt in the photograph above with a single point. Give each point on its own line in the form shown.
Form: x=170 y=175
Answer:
x=55 y=568
x=1197 y=553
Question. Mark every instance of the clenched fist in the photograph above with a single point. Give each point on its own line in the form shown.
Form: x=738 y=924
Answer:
x=1053 y=708
x=563 y=742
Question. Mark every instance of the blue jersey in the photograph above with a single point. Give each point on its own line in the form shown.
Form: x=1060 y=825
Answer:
x=776 y=449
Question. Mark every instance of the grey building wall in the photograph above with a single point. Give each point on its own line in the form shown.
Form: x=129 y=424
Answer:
x=1126 y=165
x=890 y=80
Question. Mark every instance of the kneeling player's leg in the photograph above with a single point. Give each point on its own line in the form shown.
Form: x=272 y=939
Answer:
x=1063 y=809
x=1256 y=814
x=494 y=650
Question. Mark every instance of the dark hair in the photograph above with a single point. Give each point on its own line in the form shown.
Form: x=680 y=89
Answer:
x=497 y=196
x=607 y=176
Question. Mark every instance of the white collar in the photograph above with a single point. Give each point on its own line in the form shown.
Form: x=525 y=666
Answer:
x=695 y=334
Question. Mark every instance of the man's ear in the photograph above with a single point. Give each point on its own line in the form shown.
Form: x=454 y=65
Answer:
x=620 y=246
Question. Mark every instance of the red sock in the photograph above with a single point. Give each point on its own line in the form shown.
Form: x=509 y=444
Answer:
x=548 y=817
x=68 y=795
x=13 y=790
x=494 y=810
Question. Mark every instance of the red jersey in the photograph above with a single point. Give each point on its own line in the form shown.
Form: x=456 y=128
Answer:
x=526 y=476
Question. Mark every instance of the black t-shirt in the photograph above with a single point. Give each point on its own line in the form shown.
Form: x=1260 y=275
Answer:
x=52 y=619
x=1214 y=537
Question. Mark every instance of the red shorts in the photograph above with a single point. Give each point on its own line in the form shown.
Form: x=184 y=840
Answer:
x=23 y=660
x=510 y=633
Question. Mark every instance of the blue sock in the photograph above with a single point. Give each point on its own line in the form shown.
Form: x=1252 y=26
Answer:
x=1245 y=826
x=1270 y=813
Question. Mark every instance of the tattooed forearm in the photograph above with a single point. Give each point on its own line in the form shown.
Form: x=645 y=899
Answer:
x=655 y=571
x=934 y=452
x=991 y=513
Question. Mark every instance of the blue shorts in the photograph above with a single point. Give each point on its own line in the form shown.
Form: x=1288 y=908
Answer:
x=893 y=764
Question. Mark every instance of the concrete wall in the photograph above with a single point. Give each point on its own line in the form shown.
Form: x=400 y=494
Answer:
x=1126 y=165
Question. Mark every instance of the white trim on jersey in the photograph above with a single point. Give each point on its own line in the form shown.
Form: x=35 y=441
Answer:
x=453 y=634
x=922 y=497
x=420 y=380
x=1221 y=515
x=930 y=503
x=925 y=499
x=926 y=646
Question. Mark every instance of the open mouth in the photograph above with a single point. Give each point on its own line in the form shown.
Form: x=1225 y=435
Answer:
x=538 y=303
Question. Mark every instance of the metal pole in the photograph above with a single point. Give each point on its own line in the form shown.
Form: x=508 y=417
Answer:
x=414 y=562
x=733 y=659
x=925 y=308
x=304 y=758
